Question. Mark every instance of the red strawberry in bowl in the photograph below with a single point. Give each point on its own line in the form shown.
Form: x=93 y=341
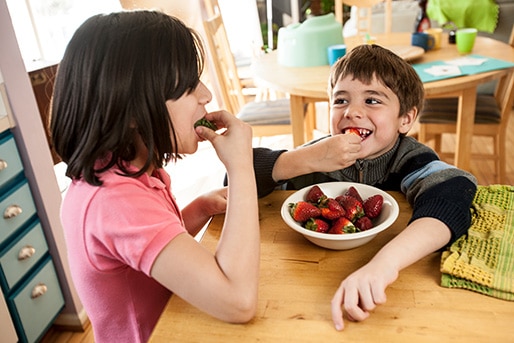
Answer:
x=331 y=209
x=373 y=205
x=342 y=225
x=352 y=191
x=317 y=224
x=302 y=211
x=315 y=195
x=363 y=223
x=353 y=208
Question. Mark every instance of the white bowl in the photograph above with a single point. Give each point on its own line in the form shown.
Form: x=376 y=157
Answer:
x=387 y=217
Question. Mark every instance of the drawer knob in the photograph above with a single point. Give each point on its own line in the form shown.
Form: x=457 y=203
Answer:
x=12 y=211
x=3 y=164
x=39 y=290
x=26 y=252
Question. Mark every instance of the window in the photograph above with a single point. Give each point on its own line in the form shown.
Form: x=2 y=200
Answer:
x=44 y=27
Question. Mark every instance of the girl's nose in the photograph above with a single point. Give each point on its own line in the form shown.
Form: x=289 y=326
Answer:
x=204 y=94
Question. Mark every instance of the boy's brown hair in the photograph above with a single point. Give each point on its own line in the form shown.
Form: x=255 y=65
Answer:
x=366 y=62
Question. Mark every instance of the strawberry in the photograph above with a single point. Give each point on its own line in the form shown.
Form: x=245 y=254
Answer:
x=352 y=130
x=342 y=225
x=373 y=205
x=331 y=209
x=206 y=123
x=352 y=207
x=363 y=223
x=315 y=195
x=317 y=224
x=352 y=191
x=303 y=211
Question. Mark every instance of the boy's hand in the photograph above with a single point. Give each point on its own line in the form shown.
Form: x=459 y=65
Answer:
x=336 y=152
x=361 y=292
x=333 y=153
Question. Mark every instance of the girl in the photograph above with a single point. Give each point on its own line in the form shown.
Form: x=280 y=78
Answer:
x=126 y=98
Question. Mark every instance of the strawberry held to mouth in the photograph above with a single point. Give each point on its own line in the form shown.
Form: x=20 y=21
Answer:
x=362 y=133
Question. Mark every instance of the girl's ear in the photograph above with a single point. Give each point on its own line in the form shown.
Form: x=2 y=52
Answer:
x=407 y=120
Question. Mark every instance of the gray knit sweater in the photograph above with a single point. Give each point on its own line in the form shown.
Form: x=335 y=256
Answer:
x=432 y=187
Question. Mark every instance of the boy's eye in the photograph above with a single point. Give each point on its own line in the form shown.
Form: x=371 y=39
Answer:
x=372 y=101
x=340 y=101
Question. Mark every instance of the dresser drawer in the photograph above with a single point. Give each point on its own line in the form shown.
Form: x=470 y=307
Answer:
x=23 y=255
x=19 y=198
x=35 y=312
x=10 y=161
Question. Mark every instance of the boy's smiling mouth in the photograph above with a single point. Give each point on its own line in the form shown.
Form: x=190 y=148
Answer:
x=362 y=133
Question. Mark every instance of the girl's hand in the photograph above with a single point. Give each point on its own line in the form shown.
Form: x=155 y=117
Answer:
x=234 y=145
x=201 y=209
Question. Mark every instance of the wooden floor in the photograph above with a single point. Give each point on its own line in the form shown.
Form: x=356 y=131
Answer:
x=483 y=170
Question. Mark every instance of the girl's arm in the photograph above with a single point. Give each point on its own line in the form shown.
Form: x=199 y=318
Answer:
x=224 y=283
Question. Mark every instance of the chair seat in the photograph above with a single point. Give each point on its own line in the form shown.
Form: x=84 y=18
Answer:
x=444 y=110
x=271 y=112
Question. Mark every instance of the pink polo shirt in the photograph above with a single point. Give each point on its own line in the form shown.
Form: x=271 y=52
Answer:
x=114 y=234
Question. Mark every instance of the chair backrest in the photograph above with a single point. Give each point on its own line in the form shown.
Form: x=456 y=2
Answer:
x=511 y=39
x=504 y=94
x=221 y=57
x=364 y=13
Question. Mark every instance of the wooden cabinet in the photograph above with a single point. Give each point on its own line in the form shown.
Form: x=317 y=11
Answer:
x=28 y=278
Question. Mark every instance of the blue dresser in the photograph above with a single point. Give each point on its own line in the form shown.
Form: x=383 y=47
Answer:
x=28 y=277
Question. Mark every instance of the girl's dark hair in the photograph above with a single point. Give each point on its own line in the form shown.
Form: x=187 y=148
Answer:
x=117 y=72
x=365 y=62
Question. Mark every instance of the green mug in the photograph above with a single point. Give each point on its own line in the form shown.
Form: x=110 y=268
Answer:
x=465 y=40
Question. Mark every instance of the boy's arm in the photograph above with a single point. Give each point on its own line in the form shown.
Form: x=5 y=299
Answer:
x=445 y=195
x=326 y=155
x=365 y=288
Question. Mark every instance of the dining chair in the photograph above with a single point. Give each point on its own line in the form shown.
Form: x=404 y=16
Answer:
x=492 y=114
x=267 y=117
x=364 y=12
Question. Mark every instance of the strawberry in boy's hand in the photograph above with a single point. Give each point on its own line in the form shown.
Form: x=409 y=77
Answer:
x=362 y=133
x=352 y=130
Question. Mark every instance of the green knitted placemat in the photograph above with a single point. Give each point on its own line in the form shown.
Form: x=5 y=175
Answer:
x=483 y=260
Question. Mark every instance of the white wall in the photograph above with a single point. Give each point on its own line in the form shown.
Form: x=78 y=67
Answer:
x=37 y=160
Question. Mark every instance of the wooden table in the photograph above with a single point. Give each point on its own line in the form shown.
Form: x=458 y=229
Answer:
x=298 y=280
x=309 y=84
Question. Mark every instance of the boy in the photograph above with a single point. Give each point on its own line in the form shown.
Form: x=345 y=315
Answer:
x=375 y=97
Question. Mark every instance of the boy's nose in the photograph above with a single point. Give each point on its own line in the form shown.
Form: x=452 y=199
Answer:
x=353 y=111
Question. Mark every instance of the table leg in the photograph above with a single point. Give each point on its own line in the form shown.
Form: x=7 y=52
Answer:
x=297 y=119
x=465 y=122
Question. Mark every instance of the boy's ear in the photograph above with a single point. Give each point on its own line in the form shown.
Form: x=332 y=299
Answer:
x=407 y=120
